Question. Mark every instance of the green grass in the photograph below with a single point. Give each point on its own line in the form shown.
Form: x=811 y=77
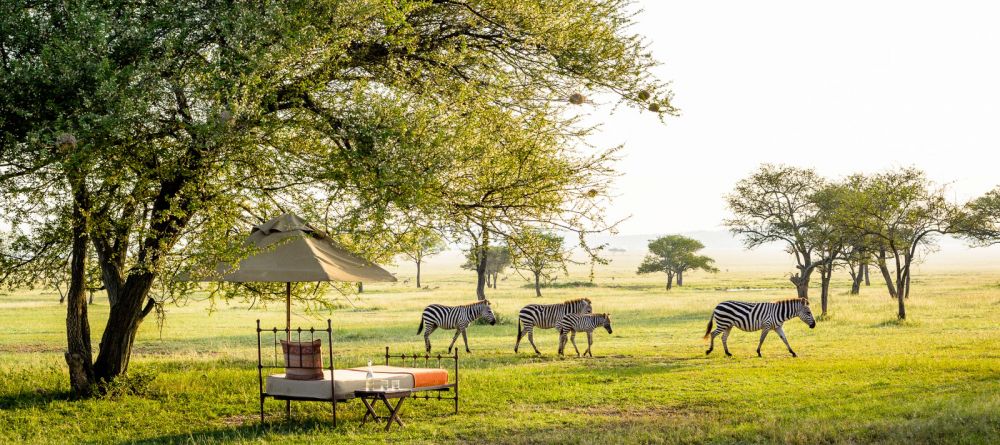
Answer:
x=861 y=376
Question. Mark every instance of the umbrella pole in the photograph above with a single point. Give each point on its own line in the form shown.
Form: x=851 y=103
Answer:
x=288 y=311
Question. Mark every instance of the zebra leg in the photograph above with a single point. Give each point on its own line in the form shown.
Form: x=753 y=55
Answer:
x=711 y=344
x=465 y=339
x=781 y=333
x=572 y=338
x=725 y=343
x=458 y=331
x=427 y=336
x=520 y=335
x=763 y=335
x=531 y=339
x=562 y=343
x=590 y=342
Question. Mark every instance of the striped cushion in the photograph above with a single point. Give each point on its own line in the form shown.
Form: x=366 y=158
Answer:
x=303 y=360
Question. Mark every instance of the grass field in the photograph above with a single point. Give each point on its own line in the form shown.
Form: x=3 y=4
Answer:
x=860 y=376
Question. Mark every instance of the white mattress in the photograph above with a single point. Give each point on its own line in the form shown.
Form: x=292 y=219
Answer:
x=346 y=382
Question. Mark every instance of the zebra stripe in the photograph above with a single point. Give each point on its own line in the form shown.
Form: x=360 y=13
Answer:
x=453 y=317
x=546 y=316
x=573 y=323
x=756 y=317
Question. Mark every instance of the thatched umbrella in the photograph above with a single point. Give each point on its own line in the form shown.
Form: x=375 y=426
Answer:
x=288 y=250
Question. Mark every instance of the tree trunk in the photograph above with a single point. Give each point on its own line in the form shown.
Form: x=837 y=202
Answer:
x=481 y=267
x=825 y=275
x=123 y=322
x=670 y=280
x=888 y=280
x=886 y=275
x=856 y=278
x=801 y=285
x=538 y=285
x=868 y=281
x=361 y=287
x=680 y=278
x=906 y=292
x=79 y=356
x=489 y=284
x=418 y=274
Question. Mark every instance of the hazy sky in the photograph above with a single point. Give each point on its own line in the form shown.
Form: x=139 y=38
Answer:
x=839 y=86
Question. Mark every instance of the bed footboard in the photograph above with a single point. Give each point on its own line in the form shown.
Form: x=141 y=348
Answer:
x=448 y=391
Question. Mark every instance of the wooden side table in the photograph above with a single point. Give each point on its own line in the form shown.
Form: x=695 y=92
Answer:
x=368 y=397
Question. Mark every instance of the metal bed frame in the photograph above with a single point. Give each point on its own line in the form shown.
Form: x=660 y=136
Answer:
x=278 y=362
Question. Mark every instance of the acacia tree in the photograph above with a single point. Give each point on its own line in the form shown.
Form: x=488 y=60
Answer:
x=778 y=204
x=980 y=220
x=497 y=259
x=541 y=254
x=153 y=134
x=675 y=254
x=421 y=243
x=900 y=212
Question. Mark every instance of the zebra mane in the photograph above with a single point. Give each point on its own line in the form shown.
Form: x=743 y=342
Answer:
x=577 y=301
x=790 y=300
x=476 y=303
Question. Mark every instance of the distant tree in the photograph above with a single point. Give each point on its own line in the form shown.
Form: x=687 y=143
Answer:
x=980 y=220
x=899 y=213
x=498 y=258
x=777 y=204
x=421 y=243
x=675 y=254
x=540 y=254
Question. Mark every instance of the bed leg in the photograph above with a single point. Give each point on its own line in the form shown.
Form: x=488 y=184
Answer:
x=288 y=409
x=261 y=409
x=334 y=413
x=456 y=381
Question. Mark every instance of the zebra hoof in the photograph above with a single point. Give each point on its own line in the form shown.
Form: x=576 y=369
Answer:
x=758 y=354
x=794 y=355
x=728 y=354
x=708 y=352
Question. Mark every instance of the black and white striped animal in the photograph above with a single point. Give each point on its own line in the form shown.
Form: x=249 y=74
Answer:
x=573 y=323
x=751 y=317
x=546 y=316
x=454 y=317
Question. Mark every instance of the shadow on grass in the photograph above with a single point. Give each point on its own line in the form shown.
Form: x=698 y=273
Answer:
x=33 y=399
x=251 y=431
x=896 y=323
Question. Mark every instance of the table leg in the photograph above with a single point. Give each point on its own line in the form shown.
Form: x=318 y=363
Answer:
x=371 y=411
x=393 y=412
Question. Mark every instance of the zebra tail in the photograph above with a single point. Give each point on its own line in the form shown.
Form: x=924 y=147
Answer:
x=709 y=330
x=519 y=327
x=421 y=327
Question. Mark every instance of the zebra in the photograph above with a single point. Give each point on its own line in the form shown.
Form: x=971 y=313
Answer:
x=454 y=317
x=573 y=323
x=546 y=316
x=757 y=316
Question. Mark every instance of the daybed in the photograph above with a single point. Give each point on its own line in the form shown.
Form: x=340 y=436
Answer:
x=339 y=385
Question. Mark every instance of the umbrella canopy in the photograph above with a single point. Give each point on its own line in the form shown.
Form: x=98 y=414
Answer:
x=288 y=250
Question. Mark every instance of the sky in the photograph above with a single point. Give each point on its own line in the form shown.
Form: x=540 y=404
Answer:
x=841 y=87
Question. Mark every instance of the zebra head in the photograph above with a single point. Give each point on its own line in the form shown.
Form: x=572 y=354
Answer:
x=580 y=306
x=805 y=314
x=606 y=318
x=487 y=312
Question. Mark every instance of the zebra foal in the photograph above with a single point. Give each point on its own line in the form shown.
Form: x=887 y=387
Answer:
x=573 y=323
x=453 y=317
x=751 y=317
x=546 y=316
